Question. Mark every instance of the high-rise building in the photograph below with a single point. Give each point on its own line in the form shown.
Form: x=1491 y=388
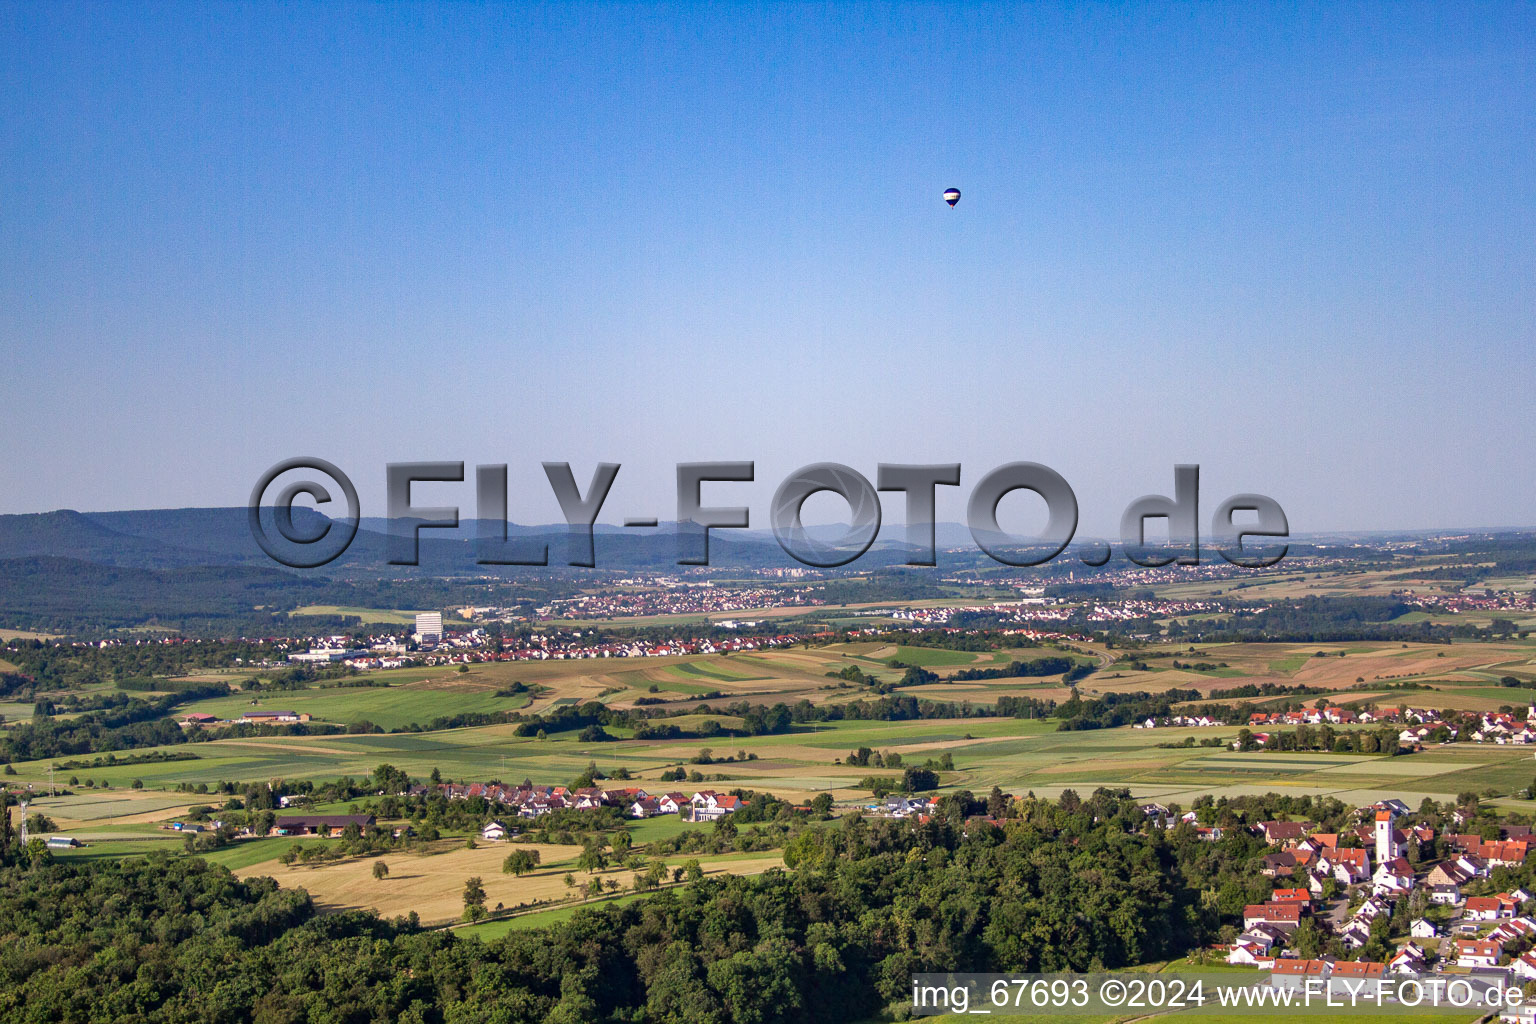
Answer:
x=429 y=627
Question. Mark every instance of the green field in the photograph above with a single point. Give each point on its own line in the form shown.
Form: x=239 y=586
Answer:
x=389 y=707
x=488 y=930
x=1016 y=755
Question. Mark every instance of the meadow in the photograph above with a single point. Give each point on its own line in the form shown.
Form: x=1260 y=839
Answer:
x=431 y=882
x=1016 y=755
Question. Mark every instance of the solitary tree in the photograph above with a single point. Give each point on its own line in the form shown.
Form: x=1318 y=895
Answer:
x=380 y=870
x=474 y=899
x=592 y=860
x=520 y=862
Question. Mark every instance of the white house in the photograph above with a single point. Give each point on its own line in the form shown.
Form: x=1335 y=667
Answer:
x=1423 y=929
x=494 y=831
x=1525 y=966
x=1355 y=934
x=1487 y=908
x=1248 y=955
x=1411 y=959
x=1256 y=945
x=1476 y=953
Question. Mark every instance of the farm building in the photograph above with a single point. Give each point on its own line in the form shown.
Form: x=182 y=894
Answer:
x=319 y=824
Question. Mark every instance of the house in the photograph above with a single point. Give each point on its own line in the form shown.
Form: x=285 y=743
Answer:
x=1256 y=945
x=1474 y=865
x=1394 y=876
x=1278 y=865
x=1524 y=966
x=1299 y=896
x=671 y=803
x=1284 y=916
x=719 y=808
x=319 y=824
x=1320 y=841
x=1247 y=954
x=1294 y=974
x=1446 y=895
x=902 y=806
x=1448 y=873
x=1350 y=866
x=1358 y=978
x=1373 y=908
x=645 y=807
x=1277 y=832
x=1411 y=959
x=1423 y=929
x=1510 y=932
x=1487 y=908
x=1356 y=933
x=1476 y=953
x=1506 y=854
x=494 y=831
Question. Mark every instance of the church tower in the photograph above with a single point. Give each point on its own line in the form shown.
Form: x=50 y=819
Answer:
x=1386 y=843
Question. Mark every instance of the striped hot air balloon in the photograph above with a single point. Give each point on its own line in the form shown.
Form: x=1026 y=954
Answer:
x=951 y=196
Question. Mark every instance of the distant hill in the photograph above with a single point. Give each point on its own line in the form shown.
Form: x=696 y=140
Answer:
x=219 y=535
x=70 y=534
x=186 y=537
x=69 y=593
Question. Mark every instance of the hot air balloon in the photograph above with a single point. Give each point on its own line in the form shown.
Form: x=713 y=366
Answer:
x=951 y=196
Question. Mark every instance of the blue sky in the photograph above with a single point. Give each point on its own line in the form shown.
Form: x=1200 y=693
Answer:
x=1296 y=245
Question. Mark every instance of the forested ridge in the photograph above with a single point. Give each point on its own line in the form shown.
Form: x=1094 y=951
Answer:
x=834 y=936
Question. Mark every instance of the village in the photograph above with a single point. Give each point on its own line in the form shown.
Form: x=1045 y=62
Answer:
x=1350 y=886
x=1422 y=726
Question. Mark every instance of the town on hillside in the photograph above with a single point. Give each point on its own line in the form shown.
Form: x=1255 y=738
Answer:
x=1375 y=894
